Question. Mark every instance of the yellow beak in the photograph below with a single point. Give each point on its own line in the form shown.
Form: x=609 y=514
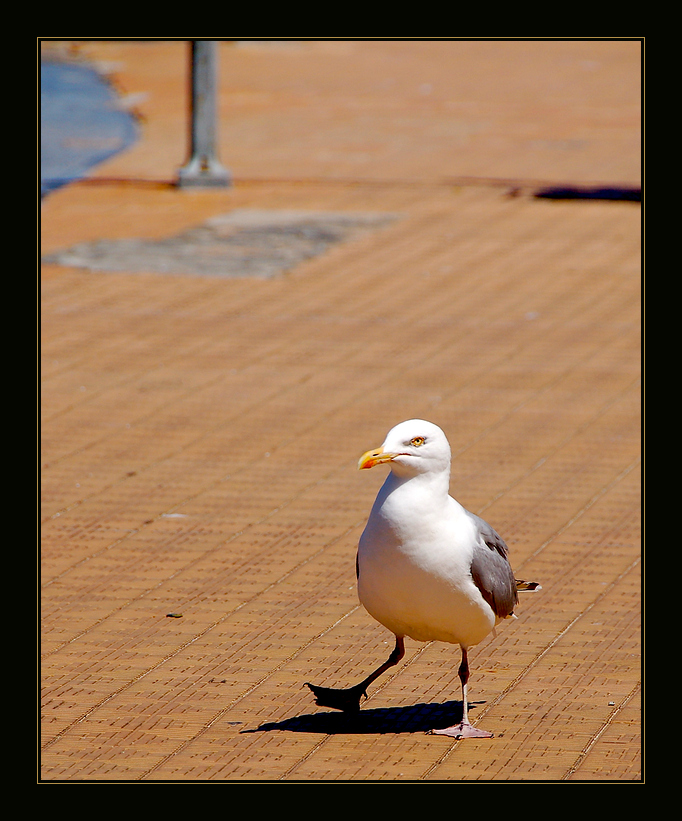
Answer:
x=374 y=457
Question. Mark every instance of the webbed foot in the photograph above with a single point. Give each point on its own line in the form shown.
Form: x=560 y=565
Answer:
x=463 y=730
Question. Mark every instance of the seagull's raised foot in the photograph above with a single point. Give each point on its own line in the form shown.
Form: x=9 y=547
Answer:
x=347 y=700
x=463 y=730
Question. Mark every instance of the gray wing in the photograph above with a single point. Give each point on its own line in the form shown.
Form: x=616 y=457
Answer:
x=491 y=571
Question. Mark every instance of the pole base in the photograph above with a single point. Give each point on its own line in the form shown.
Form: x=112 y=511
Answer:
x=201 y=172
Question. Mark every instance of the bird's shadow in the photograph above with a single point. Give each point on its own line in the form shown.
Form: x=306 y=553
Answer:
x=413 y=719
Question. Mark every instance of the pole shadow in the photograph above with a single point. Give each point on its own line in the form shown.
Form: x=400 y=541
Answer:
x=416 y=718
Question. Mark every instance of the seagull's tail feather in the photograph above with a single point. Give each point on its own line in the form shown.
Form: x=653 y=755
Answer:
x=522 y=586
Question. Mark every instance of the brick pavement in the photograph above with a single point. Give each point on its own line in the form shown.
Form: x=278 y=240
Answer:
x=200 y=435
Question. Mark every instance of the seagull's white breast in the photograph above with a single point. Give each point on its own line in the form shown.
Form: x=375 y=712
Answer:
x=414 y=560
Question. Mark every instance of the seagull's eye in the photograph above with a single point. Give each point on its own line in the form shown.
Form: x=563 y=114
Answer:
x=418 y=441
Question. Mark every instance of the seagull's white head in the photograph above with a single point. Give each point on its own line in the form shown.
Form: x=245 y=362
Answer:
x=412 y=447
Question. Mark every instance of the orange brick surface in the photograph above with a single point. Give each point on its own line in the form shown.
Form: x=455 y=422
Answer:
x=200 y=434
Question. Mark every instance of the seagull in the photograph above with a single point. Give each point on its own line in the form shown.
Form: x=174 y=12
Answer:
x=426 y=567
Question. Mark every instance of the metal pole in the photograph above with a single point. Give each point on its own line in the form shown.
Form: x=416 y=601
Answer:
x=203 y=169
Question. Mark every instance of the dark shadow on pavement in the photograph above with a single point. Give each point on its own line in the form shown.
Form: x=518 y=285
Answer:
x=417 y=718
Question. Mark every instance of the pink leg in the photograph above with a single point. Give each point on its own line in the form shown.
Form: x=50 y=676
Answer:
x=464 y=729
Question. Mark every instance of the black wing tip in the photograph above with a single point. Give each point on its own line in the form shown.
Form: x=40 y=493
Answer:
x=523 y=586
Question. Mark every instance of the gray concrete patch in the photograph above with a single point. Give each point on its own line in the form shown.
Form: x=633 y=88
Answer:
x=242 y=243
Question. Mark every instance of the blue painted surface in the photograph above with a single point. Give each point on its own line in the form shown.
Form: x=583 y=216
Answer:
x=81 y=123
